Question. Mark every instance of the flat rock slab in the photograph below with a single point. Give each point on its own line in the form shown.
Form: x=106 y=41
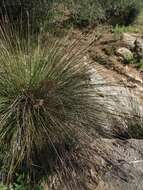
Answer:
x=128 y=173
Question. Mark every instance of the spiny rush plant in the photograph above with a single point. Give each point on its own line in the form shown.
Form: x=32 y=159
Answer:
x=48 y=105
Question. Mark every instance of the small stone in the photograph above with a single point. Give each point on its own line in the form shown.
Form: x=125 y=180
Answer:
x=125 y=53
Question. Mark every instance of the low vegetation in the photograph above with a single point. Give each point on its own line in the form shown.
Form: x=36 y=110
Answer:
x=111 y=11
x=50 y=108
x=81 y=12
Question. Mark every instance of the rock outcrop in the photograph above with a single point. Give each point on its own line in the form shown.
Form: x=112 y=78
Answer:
x=129 y=173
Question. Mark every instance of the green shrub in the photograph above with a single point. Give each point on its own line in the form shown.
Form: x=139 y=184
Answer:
x=122 y=12
x=114 y=11
x=19 y=185
x=87 y=12
x=2 y=187
x=83 y=12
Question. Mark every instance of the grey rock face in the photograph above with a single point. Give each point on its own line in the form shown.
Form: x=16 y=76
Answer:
x=128 y=173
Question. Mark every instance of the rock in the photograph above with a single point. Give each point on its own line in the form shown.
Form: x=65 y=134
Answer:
x=112 y=181
x=128 y=174
x=125 y=53
x=138 y=50
x=129 y=39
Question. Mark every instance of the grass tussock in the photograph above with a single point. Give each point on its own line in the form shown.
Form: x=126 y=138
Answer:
x=48 y=110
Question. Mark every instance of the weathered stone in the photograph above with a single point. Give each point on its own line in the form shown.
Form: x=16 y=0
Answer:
x=128 y=174
x=129 y=39
x=138 y=50
x=125 y=53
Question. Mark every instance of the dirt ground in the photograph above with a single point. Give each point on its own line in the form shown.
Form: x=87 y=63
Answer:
x=102 y=53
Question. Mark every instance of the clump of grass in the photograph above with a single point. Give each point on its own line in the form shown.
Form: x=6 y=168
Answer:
x=48 y=108
x=119 y=30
